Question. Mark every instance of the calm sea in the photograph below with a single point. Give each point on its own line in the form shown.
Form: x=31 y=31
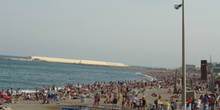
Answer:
x=25 y=74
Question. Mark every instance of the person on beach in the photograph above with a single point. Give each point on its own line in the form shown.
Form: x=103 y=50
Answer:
x=48 y=97
x=16 y=99
x=198 y=104
x=212 y=103
x=126 y=94
x=5 y=108
x=2 y=95
x=99 y=96
x=189 y=101
x=53 y=92
x=175 y=106
x=17 y=96
x=206 y=106
x=139 y=104
x=57 y=98
x=123 y=102
x=26 y=96
x=193 y=104
x=153 y=108
x=165 y=105
x=157 y=102
x=144 y=102
x=9 y=93
x=159 y=96
x=62 y=96
x=154 y=94
x=172 y=100
x=44 y=94
x=205 y=99
x=109 y=96
x=17 y=92
x=36 y=95
x=128 y=102
x=119 y=95
x=12 y=91
x=106 y=101
x=169 y=91
x=115 y=100
x=150 y=107
x=134 y=102
x=95 y=100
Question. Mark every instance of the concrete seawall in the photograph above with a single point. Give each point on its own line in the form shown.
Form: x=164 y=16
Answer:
x=85 y=62
x=67 y=61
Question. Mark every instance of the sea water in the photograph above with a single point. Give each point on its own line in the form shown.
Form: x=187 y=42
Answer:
x=26 y=74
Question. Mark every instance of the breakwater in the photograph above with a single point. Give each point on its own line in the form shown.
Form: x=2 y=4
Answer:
x=67 y=61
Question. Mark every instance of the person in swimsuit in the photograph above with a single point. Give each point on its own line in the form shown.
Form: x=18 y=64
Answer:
x=144 y=102
x=12 y=91
x=95 y=100
x=119 y=95
x=115 y=100
x=128 y=102
x=2 y=95
x=9 y=93
x=123 y=102
x=44 y=96
x=110 y=95
x=99 y=95
x=5 y=108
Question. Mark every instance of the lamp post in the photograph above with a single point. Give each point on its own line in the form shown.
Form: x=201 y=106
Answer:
x=177 y=6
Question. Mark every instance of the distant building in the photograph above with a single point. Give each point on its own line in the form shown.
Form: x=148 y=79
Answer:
x=204 y=69
x=217 y=65
x=216 y=68
x=192 y=67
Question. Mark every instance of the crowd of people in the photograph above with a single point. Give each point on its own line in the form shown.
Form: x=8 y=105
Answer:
x=124 y=94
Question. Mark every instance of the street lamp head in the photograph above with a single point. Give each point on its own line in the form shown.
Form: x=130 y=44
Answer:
x=177 y=6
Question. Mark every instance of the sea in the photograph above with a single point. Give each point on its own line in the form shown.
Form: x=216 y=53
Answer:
x=26 y=75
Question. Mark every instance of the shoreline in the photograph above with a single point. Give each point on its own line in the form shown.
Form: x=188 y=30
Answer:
x=147 y=79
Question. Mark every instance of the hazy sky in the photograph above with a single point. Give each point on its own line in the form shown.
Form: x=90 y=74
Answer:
x=133 y=32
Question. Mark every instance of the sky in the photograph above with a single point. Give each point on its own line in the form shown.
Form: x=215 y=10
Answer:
x=133 y=32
